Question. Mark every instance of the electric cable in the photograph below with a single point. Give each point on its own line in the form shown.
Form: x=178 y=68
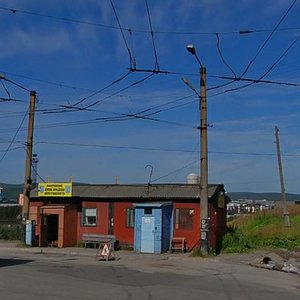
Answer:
x=14 y=137
x=63 y=108
x=14 y=83
x=105 y=26
x=6 y=90
x=268 y=38
x=270 y=68
x=222 y=57
x=156 y=65
x=120 y=91
x=123 y=36
x=176 y=171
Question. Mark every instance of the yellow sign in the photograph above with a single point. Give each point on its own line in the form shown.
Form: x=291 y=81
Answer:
x=55 y=189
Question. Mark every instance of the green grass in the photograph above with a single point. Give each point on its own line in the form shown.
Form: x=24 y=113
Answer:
x=10 y=232
x=262 y=230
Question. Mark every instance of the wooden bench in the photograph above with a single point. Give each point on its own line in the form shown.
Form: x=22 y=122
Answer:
x=178 y=244
x=97 y=239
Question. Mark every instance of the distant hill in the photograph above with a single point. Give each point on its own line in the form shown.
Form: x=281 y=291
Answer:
x=261 y=196
x=11 y=191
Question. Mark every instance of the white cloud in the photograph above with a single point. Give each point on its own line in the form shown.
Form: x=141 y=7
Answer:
x=34 y=41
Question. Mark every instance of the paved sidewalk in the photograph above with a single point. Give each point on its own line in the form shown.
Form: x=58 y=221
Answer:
x=279 y=258
x=15 y=246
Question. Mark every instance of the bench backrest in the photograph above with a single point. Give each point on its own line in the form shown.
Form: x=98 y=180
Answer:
x=98 y=237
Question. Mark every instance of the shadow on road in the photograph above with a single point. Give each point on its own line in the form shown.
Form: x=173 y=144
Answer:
x=12 y=262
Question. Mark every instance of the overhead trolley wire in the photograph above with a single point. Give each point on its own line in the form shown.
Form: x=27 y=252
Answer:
x=74 y=106
x=268 y=39
x=222 y=56
x=105 y=26
x=132 y=64
x=156 y=65
x=270 y=68
x=121 y=90
x=14 y=83
x=14 y=137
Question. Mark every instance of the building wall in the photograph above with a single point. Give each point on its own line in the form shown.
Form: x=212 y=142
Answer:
x=157 y=214
x=102 y=219
x=34 y=215
x=124 y=234
x=191 y=236
x=218 y=226
x=166 y=227
x=70 y=228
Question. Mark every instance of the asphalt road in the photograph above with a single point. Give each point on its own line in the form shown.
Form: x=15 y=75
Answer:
x=25 y=275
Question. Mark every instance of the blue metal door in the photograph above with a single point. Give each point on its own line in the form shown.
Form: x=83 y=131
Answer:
x=29 y=234
x=147 y=235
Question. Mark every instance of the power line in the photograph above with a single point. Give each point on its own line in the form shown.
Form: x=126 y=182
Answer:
x=110 y=27
x=252 y=153
x=63 y=108
x=123 y=36
x=37 y=174
x=14 y=137
x=176 y=171
x=122 y=117
x=136 y=148
x=12 y=149
x=270 y=68
x=293 y=84
x=268 y=38
x=6 y=90
x=48 y=82
x=117 y=147
x=121 y=90
x=87 y=107
x=156 y=65
x=14 y=83
x=222 y=57
x=101 y=90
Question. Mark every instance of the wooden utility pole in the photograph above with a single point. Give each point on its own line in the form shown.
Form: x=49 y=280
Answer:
x=28 y=163
x=286 y=216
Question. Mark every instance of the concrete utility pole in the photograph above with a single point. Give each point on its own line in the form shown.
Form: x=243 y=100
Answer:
x=286 y=216
x=28 y=164
x=204 y=214
x=204 y=165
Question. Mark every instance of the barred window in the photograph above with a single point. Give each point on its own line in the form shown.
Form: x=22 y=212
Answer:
x=129 y=217
x=184 y=218
x=89 y=216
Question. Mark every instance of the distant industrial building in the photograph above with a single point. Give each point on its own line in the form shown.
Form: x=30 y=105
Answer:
x=248 y=206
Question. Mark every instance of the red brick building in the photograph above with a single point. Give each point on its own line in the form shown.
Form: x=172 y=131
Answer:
x=109 y=209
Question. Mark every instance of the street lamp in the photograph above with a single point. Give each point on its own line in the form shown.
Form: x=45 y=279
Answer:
x=204 y=219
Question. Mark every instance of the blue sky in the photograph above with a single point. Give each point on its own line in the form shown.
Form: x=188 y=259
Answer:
x=68 y=50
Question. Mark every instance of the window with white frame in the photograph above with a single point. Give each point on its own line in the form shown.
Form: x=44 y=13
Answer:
x=89 y=216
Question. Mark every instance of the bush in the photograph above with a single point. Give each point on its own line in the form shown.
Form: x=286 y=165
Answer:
x=10 y=232
x=262 y=230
